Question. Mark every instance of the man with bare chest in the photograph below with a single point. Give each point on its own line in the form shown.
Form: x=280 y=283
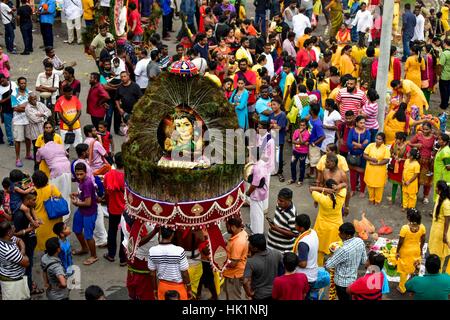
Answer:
x=332 y=171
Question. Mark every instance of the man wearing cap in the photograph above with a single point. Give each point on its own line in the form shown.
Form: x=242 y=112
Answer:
x=282 y=232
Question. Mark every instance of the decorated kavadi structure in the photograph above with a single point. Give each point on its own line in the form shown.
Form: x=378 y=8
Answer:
x=170 y=179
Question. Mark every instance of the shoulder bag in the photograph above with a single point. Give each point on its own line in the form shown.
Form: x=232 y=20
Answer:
x=56 y=207
x=105 y=167
x=353 y=159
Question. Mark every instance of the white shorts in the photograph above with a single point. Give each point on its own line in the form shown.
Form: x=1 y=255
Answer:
x=15 y=290
x=78 y=137
x=20 y=132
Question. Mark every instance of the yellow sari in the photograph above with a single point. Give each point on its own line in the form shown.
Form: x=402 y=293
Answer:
x=346 y=66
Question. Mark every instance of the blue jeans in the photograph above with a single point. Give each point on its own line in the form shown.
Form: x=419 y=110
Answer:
x=47 y=34
x=296 y=156
x=309 y=13
x=261 y=17
x=9 y=37
x=406 y=51
x=7 y=117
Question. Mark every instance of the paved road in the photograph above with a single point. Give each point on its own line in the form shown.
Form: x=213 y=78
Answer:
x=110 y=276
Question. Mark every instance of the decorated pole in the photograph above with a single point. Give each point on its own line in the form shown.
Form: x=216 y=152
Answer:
x=384 y=59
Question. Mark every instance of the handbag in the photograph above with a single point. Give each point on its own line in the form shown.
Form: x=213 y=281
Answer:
x=353 y=159
x=69 y=138
x=56 y=207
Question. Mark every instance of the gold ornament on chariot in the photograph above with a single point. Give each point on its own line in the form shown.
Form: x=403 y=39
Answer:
x=229 y=201
x=157 y=209
x=220 y=256
x=130 y=197
x=197 y=209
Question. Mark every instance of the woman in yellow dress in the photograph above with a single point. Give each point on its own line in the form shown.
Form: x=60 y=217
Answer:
x=377 y=155
x=414 y=65
x=346 y=62
x=44 y=191
x=396 y=19
x=48 y=128
x=444 y=19
x=358 y=53
x=336 y=16
x=323 y=86
x=329 y=217
x=411 y=94
x=438 y=243
x=410 y=245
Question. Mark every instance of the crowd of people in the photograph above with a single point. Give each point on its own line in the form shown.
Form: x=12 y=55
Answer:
x=311 y=96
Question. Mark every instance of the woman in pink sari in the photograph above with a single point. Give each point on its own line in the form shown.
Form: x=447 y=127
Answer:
x=429 y=78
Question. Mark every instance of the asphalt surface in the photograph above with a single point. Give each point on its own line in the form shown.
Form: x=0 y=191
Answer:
x=110 y=276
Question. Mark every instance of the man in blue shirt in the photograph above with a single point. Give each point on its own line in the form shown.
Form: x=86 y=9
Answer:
x=316 y=137
x=166 y=17
x=409 y=23
x=47 y=19
x=187 y=7
x=262 y=106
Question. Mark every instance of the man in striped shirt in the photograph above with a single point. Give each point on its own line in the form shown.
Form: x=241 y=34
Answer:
x=168 y=267
x=13 y=262
x=350 y=98
x=282 y=232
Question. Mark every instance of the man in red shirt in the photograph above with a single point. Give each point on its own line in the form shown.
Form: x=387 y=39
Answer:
x=114 y=183
x=134 y=22
x=306 y=55
x=97 y=100
x=370 y=286
x=350 y=98
x=343 y=130
x=292 y=285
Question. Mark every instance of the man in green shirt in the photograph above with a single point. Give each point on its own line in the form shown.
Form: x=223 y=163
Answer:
x=444 y=73
x=433 y=285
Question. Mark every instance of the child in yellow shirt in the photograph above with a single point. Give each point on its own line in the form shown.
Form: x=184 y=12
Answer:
x=410 y=179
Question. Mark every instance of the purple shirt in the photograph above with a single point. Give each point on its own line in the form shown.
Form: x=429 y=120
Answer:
x=259 y=172
x=56 y=158
x=99 y=153
x=86 y=189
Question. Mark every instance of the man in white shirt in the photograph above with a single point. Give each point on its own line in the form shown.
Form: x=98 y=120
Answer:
x=289 y=13
x=140 y=71
x=19 y=101
x=308 y=6
x=168 y=267
x=198 y=61
x=363 y=21
x=419 y=30
x=73 y=10
x=306 y=247
x=269 y=64
x=300 y=22
x=7 y=20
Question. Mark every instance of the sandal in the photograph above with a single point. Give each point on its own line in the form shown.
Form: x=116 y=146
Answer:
x=107 y=257
x=281 y=178
x=290 y=181
x=90 y=261
x=123 y=264
x=79 y=252
x=299 y=184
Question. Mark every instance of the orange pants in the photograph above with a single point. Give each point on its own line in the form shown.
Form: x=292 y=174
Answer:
x=164 y=286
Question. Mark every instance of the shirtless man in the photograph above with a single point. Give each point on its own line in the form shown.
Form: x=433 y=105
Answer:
x=342 y=163
x=333 y=172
